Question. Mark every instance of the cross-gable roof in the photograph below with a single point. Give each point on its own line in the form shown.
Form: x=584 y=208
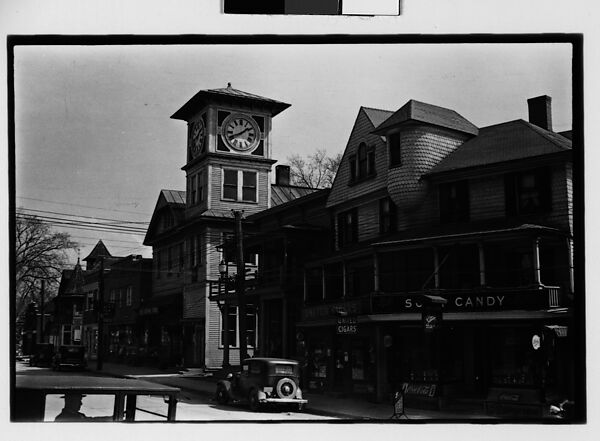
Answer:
x=427 y=113
x=99 y=250
x=503 y=142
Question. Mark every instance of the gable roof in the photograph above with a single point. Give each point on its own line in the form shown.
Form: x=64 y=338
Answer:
x=503 y=142
x=166 y=198
x=229 y=93
x=72 y=281
x=430 y=114
x=377 y=116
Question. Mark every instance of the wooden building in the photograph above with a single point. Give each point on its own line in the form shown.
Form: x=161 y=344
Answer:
x=228 y=167
x=452 y=275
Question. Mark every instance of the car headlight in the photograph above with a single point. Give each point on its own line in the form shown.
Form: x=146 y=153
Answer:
x=299 y=394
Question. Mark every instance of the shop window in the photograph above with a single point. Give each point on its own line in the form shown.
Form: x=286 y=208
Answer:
x=528 y=192
x=514 y=361
x=347 y=227
x=454 y=202
x=395 y=152
x=387 y=216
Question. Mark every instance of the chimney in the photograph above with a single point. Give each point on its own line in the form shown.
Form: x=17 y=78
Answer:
x=282 y=175
x=540 y=111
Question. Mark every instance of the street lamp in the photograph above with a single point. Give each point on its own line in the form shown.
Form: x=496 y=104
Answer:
x=222 y=269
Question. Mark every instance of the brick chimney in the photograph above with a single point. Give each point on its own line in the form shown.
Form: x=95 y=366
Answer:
x=282 y=175
x=540 y=111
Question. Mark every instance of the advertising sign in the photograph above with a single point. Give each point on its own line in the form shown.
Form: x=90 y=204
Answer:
x=346 y=325
x=432 y=320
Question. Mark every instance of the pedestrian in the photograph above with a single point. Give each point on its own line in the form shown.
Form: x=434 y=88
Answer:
x=73 y=402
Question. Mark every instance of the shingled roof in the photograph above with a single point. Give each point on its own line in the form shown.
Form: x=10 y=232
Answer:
x=228 y=93
x=281 y=194
x=430 y=114
x=99 y=250
x=503 y=142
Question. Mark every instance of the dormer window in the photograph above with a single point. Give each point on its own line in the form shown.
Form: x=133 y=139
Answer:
x=454 y=202
x=362 y=164
x=394 y=147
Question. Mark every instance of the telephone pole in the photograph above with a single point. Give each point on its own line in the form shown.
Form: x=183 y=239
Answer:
x=239 y=285
x=99 y=356
x=41 y=334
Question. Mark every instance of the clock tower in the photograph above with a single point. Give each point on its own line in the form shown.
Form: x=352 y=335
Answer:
x=228 y=150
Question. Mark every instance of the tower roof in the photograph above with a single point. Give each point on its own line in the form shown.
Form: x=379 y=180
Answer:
x=99 y=250
x=430 y=114
x=228 y=95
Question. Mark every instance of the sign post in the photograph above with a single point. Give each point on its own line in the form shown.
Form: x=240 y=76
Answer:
x=398 y=402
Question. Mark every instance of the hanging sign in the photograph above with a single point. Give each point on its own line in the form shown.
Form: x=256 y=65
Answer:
x=536 y=342
x=432 y=320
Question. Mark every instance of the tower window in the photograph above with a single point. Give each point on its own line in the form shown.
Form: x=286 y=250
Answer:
x=240 y=185
x=395 y=152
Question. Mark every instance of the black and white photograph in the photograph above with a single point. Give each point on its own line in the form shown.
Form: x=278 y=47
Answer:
x=315 y=230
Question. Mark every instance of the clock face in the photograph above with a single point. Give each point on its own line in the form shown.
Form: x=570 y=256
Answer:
x=197 y=136
x=240 y=132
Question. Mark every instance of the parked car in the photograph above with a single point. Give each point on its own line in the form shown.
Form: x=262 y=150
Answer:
x=42 y=354
x=72 y=356
x=263 y=381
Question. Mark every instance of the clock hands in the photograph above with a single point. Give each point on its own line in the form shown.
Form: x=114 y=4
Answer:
x=235 y=135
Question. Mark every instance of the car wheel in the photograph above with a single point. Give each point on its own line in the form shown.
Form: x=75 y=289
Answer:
x=222 y=397
x=253 y=400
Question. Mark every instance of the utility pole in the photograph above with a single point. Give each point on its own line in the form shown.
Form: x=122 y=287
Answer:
x=41 y=335
x=99 y=357
x=239 y=285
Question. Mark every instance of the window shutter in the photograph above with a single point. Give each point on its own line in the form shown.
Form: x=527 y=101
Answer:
x=510 y=196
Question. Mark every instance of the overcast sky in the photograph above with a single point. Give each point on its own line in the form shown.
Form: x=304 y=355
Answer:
x=94 y=135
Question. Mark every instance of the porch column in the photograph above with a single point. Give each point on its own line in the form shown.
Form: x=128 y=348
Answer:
x=436 y=267
x=261 y=328
x=536 y=261
x=481 y=264
x=375 y=272
x=344 y=279
x=570 y=257
x=323 y=282
x=225 y=318
x=284 y=327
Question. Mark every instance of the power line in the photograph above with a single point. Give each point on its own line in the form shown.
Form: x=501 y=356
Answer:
x=79 y=215
x=78 y=205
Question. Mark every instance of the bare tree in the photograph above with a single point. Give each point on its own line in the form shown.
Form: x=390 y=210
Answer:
x=40 y=254
x=316 y=171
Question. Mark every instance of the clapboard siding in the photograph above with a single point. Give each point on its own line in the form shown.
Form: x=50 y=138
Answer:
x=263 y=182
x=341 y=191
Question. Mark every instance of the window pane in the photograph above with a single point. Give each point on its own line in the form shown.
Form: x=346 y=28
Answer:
x=230 y=177
x=249 y=194
x=249 y=179
x=230 y=192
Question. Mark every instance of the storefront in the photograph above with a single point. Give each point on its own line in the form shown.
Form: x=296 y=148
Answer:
x=478 y=352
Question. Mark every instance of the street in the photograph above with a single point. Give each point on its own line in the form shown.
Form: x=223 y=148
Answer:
x=192 y=406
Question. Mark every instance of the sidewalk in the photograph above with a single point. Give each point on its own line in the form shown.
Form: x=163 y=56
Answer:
x=323 y=404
